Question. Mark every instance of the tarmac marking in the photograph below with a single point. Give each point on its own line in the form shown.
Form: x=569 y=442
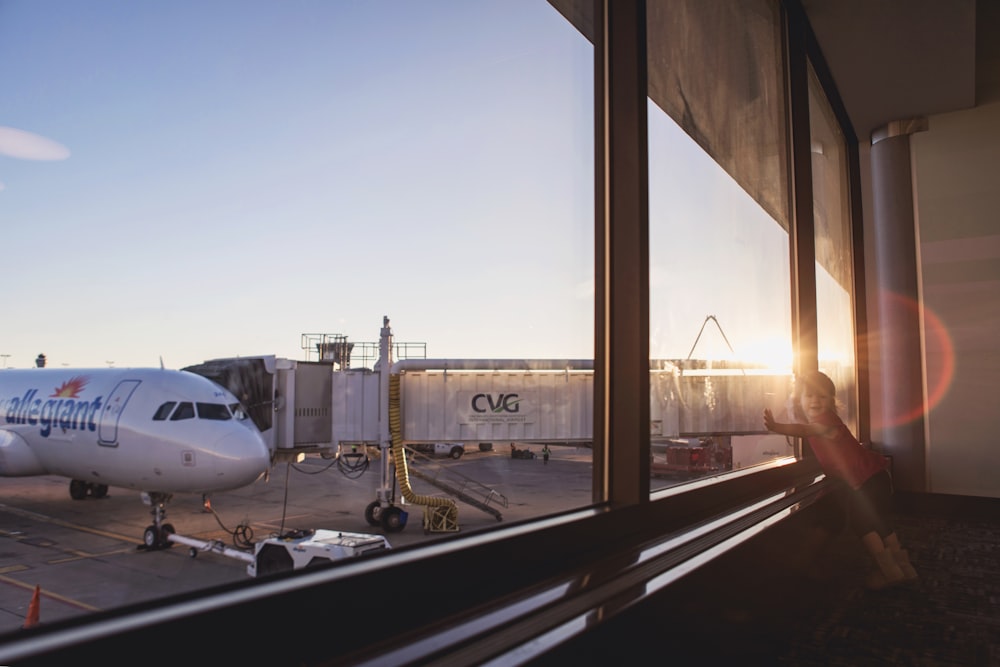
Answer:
x=276 y=524
x=72 y=555
x=49 y=594
x=28 y=514
x=69 y=555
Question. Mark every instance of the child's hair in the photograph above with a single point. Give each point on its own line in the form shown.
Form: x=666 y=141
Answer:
x=817 y=380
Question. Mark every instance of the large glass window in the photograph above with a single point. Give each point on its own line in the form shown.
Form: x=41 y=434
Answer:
x=316 y=166
x=834 y=257
x=720 y=321
x=430 y=168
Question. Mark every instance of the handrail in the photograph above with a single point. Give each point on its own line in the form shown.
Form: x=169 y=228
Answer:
x=454 y=578
x=523 y=626
x=460 y=485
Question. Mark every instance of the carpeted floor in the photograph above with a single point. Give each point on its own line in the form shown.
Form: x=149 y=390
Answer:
x=950 y=616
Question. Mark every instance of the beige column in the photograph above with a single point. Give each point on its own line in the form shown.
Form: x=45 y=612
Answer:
x=898 y=428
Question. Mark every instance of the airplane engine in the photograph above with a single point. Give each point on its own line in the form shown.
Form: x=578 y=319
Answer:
x=16 y=457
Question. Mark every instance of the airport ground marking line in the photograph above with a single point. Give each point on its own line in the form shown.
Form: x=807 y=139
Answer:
x=46 y=593
x=73 y=555
x=28 y=514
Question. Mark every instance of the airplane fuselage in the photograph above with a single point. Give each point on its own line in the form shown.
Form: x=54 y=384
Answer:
x=147 y=429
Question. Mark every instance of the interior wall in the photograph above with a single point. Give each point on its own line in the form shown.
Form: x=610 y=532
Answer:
x=958 y=200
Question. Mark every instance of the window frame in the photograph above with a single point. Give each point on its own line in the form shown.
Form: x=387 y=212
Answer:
x=521 y=557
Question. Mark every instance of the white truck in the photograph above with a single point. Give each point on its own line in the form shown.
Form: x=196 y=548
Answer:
x=453 y=450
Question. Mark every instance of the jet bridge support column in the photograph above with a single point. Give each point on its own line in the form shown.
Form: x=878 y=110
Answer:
x=382 y=511
x=384 y=494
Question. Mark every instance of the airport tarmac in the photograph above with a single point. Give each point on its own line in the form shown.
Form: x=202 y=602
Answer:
x=85 y=555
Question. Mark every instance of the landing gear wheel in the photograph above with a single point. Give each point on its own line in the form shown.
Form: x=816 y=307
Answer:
x=99 y=490
x=192 y=552
x=392 y=519
x=77 y=489
x=151 y=537
x=373 y=514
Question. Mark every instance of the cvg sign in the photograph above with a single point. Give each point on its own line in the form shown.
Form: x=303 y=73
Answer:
x=495 y=407
x=496 y=403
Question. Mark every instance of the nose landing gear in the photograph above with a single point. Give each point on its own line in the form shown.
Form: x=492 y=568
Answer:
x=157 y=536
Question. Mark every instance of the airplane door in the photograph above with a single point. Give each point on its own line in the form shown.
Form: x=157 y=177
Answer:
x=107 y=431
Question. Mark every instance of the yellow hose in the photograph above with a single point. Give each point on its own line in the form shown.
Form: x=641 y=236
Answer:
x=440 y=514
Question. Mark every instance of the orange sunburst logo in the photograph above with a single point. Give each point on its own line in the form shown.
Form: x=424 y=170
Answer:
x=71 y=388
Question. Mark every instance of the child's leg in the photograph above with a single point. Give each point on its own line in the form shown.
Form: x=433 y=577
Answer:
x=873 y=543
x=870 y=509
x=900 y=555
x=889 y=572
x=892 y=542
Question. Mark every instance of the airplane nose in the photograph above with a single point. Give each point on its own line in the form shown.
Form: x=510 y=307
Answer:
x=242 y=457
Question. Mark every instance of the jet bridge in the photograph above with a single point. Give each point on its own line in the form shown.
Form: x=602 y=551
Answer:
x=333 y=410
x=289 y=401
x=342 y=412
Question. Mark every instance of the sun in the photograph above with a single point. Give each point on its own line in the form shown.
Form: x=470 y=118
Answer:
x=772 y=352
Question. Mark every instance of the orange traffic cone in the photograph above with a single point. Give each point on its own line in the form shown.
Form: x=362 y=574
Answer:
x=32 y=617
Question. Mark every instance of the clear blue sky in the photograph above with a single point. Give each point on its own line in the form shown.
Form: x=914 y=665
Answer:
x=225 y=176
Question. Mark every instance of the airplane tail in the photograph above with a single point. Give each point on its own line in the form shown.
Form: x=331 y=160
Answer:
x=31 y=619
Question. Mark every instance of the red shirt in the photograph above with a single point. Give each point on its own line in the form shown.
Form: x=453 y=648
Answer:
x=842 y=456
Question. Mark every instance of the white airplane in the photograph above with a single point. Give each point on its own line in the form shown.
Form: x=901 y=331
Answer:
x=157 y=431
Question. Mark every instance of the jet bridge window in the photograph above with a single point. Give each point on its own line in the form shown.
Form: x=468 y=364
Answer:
x=216 y=411
x=163 y=411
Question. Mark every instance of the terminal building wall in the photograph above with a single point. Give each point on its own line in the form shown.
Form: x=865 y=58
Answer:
x=960 y=278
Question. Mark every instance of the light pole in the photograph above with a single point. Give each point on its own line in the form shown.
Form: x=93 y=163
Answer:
x=4 y=359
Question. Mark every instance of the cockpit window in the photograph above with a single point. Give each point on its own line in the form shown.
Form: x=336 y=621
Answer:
x=183 y=411
x=217 y=411
x=213 y=411
x=163 y=411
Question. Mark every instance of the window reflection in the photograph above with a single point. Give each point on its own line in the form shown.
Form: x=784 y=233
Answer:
x=834 y=261
x=720 y=320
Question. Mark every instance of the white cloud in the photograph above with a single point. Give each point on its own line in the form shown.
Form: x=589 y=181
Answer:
x=28 y=146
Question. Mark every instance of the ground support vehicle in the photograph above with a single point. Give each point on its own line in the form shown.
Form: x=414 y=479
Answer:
x=302 y=549
x=294 y=550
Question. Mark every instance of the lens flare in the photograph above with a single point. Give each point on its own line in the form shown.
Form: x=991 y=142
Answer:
x=939 y=356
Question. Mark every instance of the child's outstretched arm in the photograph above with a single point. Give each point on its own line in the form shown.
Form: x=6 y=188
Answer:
x=794 y=430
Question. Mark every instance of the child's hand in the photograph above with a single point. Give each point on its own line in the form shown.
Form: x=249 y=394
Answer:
x=768 y=419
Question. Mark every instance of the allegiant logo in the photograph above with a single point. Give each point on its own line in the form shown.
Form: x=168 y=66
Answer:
x=62 y=409
x=503 y=403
